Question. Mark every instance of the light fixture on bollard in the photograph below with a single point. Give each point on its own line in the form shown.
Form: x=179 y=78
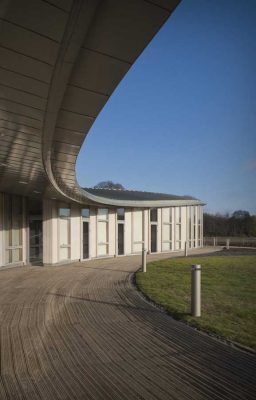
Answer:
x=144 y=260
x=196 y=291
x=186 y=249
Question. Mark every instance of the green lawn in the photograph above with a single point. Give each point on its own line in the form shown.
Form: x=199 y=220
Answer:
x=228 y=293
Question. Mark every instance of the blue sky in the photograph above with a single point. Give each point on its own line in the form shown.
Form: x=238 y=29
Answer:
x=183 y=120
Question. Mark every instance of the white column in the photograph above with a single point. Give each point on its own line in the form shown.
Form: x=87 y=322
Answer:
x=159 y=230
x=183 y=211
x=93 y=232
x=24 y=231
x=111 y=232
x=146 y=228
x=50 y=232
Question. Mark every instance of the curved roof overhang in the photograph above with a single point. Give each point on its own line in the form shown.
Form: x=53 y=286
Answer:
x=59 y=63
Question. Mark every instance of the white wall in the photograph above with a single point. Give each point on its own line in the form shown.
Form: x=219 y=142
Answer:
x=159 y=230
x=50 y=232
x=93 y=233
x=146 y=229
x=137 y=228
x=17 y=227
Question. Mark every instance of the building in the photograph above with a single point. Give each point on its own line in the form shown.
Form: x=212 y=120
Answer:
x=59 y=63
x=53 y=231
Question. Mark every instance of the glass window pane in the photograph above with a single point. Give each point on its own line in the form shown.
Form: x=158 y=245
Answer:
x=153 y=238
x=103 y=213
x=153 y=215
x=85 y=212
x=64 y=212
x=120 y=239
x=120 y=214
x=178 y=215
x=170 y=218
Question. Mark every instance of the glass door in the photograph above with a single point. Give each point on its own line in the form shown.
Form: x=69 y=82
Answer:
x=153 y=238
x=120 y=239
x=85 y=240
x=35 y=240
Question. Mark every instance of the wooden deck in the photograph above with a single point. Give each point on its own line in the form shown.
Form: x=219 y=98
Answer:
x=83 y=332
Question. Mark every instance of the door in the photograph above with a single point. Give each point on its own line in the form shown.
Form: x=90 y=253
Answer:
x=85 y=240
x=35 y=241
x=153 y=238
x=120 y=239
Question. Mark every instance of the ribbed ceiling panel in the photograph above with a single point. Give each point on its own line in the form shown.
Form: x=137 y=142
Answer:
x=59 y=63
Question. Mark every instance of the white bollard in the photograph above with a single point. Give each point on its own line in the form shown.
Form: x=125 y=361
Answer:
x=227 y=244
x=144 y=260
x=196 y=291
x=186 y=249
x=214 y=241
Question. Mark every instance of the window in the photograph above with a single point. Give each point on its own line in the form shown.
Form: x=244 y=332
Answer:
x=194 y=226
x=190 y=210
x=102 y=232
x=153 y=215
x=167 y=229
x=13 y=228
x=137 y=230
x=64 y=233
x=120 y=214
x=178 y=227
x=120 y=230
x=102 y=214
x=200 y=228
x=64 y=212
x=85 y=212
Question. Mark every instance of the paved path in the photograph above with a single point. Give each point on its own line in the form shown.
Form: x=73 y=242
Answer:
x=84 y=332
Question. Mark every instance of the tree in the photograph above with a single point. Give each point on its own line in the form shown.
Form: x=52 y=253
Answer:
x=240 y=214
x=240 y=223
x=252 y=226
x=109 y=185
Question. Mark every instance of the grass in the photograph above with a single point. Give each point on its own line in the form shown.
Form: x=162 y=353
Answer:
x=228 y=293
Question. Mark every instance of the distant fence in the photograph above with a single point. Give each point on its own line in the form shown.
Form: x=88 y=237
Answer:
x=230 y=241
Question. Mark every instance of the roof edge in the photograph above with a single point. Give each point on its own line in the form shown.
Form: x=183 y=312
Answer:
x=141 y=203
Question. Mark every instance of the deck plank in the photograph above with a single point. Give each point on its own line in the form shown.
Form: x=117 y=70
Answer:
x=83 y=331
